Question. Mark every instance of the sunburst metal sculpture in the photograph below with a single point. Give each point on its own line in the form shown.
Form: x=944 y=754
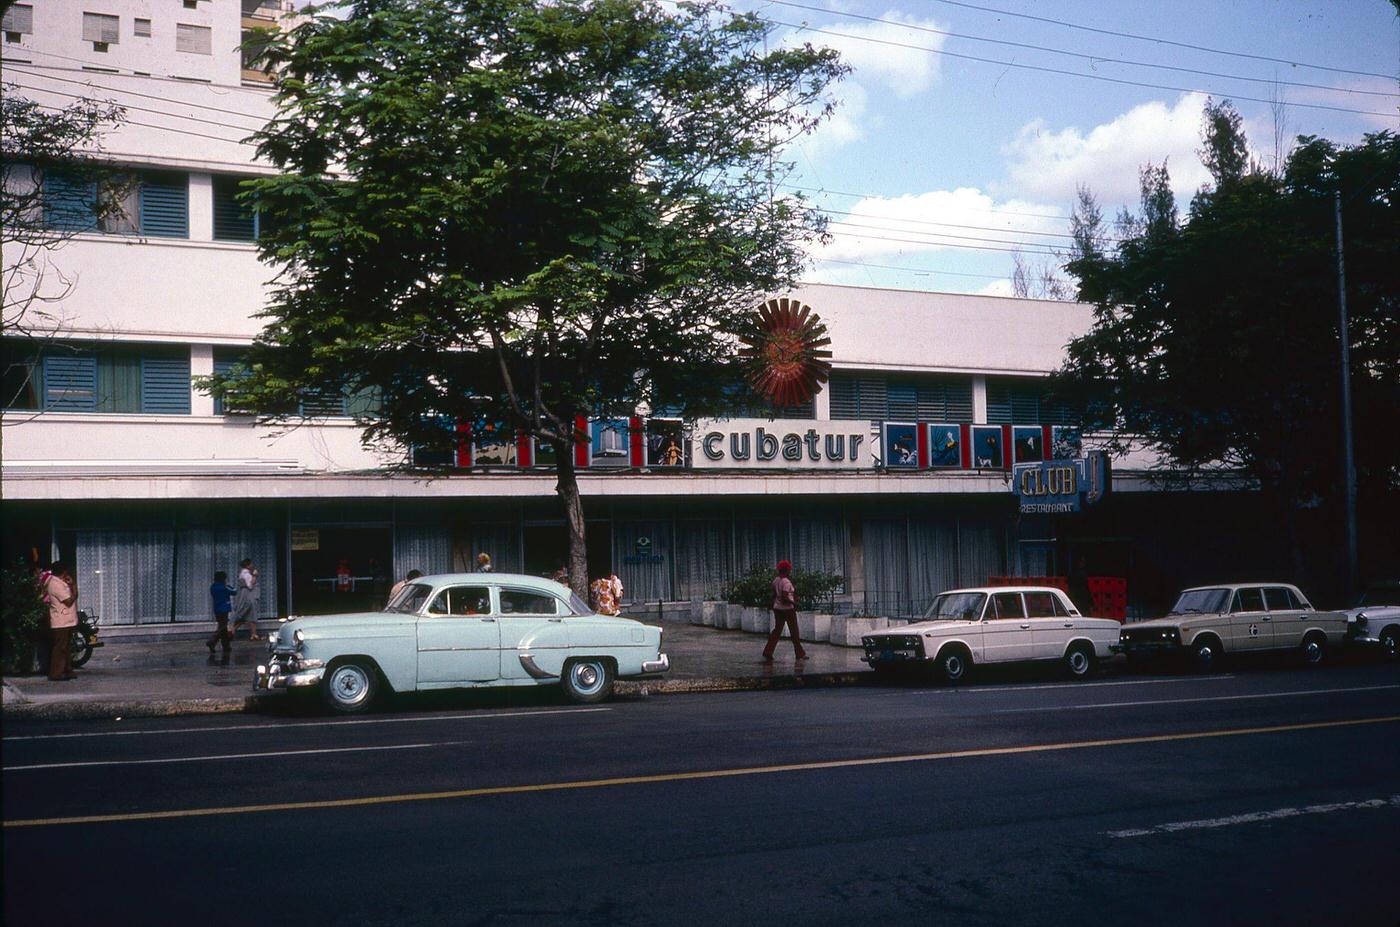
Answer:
x=785 y=352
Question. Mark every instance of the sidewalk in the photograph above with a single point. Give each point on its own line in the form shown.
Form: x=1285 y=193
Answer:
x=172 y=675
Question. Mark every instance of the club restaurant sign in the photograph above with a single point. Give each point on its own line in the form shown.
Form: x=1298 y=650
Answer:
x=791 y=444
x=1055 y=486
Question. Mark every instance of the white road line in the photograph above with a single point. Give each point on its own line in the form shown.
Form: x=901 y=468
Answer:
x=285 y=727
x=228 y=756
x=1203 y=698
x=1253 y=817
x=1067 y=686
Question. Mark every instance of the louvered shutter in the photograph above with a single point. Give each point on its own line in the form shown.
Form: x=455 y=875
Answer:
x=19 y=18
x=998 y=403
x=1025 y=405
x=70 y=383
x=165 y=205
x=195 y=40
x=70 y=203
x=101 y=27
x=232 y=221
x=322 y=404
x=901 y=400
x=165 y=385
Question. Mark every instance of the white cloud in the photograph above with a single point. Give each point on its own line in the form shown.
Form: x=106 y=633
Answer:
x=876 y=68
x=996 y=288
x=936 y=221
x=1048 y=164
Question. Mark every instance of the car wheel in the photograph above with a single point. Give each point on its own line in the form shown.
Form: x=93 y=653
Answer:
x=953 y=665
x=588 y=680
x=80 y=648
x=1313 y=650
x=1079 y=661
x=1390 y=643
x=350 y=687
x=1205 y=656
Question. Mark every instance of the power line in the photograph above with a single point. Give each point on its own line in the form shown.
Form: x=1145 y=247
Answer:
x=131 y=106
x=1094 y=59
x=1062 y=71
x=98 y=67
x=1000 y=241
x=1161 y=41
x=940 y=244
x=150 y=125
x=982 y=228
x=867 y=196
x=911 y=270
x=134 y=93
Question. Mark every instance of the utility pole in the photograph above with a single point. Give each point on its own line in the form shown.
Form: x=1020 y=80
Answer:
x=1349 y=464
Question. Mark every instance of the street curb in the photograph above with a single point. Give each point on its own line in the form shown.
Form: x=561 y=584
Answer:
x=161 y=708
x=106 y=710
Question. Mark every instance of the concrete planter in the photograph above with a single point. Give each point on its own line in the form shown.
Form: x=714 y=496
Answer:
x=847 y=630
x=814 y=626
x=712 y=614
x=757 y=620
x=697 y=612
x=733 y=616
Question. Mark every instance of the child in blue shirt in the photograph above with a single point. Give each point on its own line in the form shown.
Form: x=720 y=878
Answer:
x=222 y=595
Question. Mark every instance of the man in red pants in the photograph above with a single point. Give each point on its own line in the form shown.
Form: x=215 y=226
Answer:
x=784 y=613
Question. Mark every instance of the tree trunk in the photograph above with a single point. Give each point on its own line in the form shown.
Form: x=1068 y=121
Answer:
x=567 y=488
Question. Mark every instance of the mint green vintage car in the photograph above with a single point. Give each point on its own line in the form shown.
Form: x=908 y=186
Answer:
x=458 y=631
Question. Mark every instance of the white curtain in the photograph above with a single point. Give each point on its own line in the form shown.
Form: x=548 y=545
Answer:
x=819 y=544
x=499 y=540
x=426 y=548
x=933 y=560
x=886 y=547
x=760 y=541
x=704 y=557
x=647 y=577
x=124 y=576
x=204 y=550
x=982 y=551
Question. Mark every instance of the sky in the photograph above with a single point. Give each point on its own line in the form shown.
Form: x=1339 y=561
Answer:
x=936 y=168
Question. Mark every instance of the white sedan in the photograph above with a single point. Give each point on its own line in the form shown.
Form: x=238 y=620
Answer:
x=998 y=624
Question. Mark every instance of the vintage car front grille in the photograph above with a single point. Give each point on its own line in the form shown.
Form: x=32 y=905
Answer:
x=1149 y=636
x=875 y=647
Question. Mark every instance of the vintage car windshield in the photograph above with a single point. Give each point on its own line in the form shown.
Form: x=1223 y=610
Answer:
x=410 y=599
x=1201 y=602
x=1380 y=595
x=957 y=606
x=577 y=606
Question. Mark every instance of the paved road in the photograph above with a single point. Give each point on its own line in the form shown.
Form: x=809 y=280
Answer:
x=1267 y=796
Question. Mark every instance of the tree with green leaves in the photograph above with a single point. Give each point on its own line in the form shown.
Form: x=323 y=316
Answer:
x=513 y=214
x=1216 y=337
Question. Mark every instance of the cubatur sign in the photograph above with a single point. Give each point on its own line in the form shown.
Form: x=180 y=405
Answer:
x=1055 y=486
x=793 y=444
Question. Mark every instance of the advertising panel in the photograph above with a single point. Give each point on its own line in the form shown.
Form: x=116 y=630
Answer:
x=781 y=444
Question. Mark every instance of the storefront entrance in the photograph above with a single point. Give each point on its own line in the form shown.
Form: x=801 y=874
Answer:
x=340 y=568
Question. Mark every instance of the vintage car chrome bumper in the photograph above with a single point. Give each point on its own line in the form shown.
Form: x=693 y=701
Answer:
x=661 y=664
x=287 y=671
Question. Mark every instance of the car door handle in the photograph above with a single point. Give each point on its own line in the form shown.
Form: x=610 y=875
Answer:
x=556 y=620
x=488 y=621
x=1266 y=618
x=1026 y=625
x=1069 y=624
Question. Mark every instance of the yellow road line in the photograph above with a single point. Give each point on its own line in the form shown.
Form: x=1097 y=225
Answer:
x=687 y=776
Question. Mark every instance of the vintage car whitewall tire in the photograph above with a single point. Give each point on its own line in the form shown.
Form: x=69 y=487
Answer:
x=587 y=680
x=1079 y=660
x=350 y=687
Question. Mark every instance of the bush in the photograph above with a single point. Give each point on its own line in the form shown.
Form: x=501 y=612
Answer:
x=23 y=619
x=754 y=587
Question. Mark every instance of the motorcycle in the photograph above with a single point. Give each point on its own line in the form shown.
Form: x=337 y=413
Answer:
x=84 y=638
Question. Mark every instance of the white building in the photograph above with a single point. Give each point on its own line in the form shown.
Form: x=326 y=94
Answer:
x=113 y=460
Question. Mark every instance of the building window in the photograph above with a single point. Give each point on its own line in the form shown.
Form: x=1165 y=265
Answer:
x=101 y=29
x=908 y=398
x=232 y=220
x=151 y=203
x=147 y=379
x=191 y=4
x=18 y=22
x=142 y=28
x=1010 y=402
x=194 y=40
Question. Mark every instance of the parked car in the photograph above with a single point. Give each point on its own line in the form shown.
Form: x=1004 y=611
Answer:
x=1209 y=622
x=1001 y=624
x=462 y=631
x=1375 y=621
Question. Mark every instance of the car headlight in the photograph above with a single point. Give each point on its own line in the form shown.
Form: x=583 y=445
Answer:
x=272 y=639
x=1361 y=620
x=298 y=637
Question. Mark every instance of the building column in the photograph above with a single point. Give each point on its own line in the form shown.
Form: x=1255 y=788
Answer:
x=979 y=400
x=821 y=403
x=201 y=207
x=855 y=561
x=201 y=365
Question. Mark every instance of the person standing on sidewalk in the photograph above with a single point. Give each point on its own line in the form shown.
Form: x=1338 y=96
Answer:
x=784 y=613
x=61 y=592
x=245 y=601
x=221 y=593
x=483 y=563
